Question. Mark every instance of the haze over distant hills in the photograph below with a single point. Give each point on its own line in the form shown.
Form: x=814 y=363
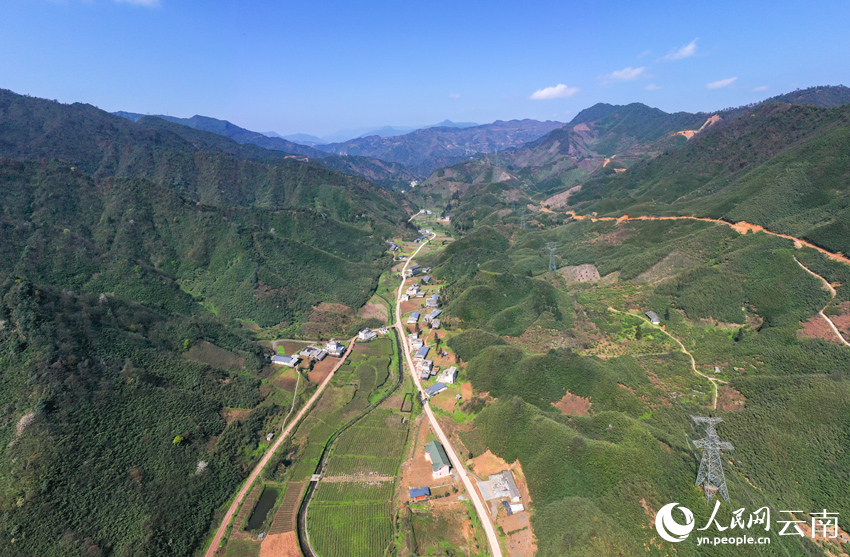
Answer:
x=379 y=157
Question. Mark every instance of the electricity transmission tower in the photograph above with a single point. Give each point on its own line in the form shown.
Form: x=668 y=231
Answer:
x=522 y=218
x=552 y=247
x=710 y=473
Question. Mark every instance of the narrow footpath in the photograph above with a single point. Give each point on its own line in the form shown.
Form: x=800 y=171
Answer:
x=714 y=381
x=231 y=512
x=484 y=517
x=821 y=313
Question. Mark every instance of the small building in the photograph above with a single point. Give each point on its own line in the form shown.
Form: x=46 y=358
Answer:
x=417 y=343
x=424 y=374
x=503 y=485
x=404 y=297
x=433 y=315
x=448 y=376
x=313 y=353
x=441 y=466
x=653 y=318
x=435 y=323
x=435 y=389
x=427 y=366
x=431 y=303
x=517 y=508
x=426 y=279
x=419 y=493
x=422 y=353
x=289 y=361
x=270 y=436
x=414 y=318
x=334 y=348
x=367 y=334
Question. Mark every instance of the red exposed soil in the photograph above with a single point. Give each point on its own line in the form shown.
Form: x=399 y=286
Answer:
x=817 y=327
x=374 y=310
x=281 y=545
x=843 y=321
x=230 y=414
x=322 y=369
x=573 y=404
x=730 y=399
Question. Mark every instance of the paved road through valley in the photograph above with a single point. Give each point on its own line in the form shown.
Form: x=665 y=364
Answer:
x=495 y=549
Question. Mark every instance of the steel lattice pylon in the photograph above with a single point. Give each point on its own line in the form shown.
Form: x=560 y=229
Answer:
x=552 y=247
x=710 y=473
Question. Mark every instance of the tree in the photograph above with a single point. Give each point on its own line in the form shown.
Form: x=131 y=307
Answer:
x=638 y=333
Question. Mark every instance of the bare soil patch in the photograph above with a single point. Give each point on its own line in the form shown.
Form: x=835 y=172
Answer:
x=817 y=327
x=322 y=369
x=208 y=353
x=842 y=321
x=730 y=399
x=373 y=310
x=466 y=391
x=613 y=238
x=281 y=545
x=230 y=414
x=573 y=404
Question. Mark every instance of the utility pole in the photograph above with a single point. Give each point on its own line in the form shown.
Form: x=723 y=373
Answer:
x=522 y=218
x=552 y=247
x=710 y=473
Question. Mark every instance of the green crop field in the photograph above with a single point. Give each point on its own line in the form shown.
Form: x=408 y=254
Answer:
x=356 y=530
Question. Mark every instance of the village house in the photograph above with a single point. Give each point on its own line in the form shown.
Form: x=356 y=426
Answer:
x=435 y=323
x=441 y=466
x=289 y=361
x=420 y=493
x=334 y=348
x=448 y=376
x=313 y=353
x=414 y=318
x=653 y=318
x=367 y=334
x=435 y=389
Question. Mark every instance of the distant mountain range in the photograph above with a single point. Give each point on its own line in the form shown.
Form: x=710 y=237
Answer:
x=605 y=140
x=390 y=160
x=425 y=150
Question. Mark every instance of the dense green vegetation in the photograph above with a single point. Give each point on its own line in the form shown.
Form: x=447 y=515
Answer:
x=129 y=251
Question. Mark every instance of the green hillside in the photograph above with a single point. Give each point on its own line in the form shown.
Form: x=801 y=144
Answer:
x=131 y=253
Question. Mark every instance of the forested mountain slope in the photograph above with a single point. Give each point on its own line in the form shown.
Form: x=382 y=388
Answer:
x=129 y=251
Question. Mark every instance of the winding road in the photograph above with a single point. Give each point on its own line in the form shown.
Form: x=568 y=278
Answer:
x=492 y=539
x=231 y=512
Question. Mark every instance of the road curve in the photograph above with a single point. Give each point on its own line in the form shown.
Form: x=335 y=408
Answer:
x=269 y=453
x=493 y=540
x=821 y=313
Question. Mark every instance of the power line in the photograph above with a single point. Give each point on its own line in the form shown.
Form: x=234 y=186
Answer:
x=522 y=218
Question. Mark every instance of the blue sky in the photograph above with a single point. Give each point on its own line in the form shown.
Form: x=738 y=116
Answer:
x=317 y=66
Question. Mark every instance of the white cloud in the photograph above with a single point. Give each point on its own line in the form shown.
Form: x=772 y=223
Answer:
x=653 y=87
x=626 y=74
x=145 y=3
x=761 y=88
x=719 y=84
x=686 y=51
x=644 y=54
x=560 y=91
x=454 y=95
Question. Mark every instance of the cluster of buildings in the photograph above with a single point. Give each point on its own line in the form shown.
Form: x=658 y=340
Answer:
x=393 y=247
x=332 y=348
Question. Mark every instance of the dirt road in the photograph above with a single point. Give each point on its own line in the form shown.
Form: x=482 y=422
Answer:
x=263 y=461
